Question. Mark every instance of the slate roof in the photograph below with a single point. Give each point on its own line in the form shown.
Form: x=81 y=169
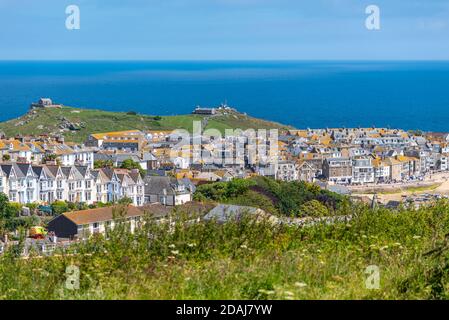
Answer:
x=66 y=171
x=22 y=167
x=7 y=169
x=157 y=184
x=134 y=176
x=53 y=169
x=95 y=173
x=82 y=170
x=37 y=170
x=108 y=172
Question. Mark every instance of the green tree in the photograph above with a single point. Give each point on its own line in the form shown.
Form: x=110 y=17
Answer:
x=237 y=187
x=131 y=164
x=4 y=201
x=50 y=157
x=6 y=157
x=125 y=201
x=98 y=164
x=59 y=207
x=222 y=191
x=9 y=213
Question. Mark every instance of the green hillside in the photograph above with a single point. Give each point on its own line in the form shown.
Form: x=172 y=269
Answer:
x=76 y=124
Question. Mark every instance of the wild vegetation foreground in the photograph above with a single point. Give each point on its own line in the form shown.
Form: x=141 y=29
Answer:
x=248 y=260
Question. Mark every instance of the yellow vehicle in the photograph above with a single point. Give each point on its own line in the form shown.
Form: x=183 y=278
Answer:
x=38 y=232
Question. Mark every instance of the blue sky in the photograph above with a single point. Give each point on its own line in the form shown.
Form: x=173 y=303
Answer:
x=224 y=30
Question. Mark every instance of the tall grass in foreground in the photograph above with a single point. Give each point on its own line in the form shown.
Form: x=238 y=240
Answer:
x=249 y=260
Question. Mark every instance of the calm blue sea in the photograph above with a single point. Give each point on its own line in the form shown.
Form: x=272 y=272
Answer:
x=410 y=95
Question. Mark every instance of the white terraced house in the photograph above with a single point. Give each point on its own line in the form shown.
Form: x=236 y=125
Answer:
x=101 y=181
x=69 y=156
x=115 y=184
x=112 y=183
x=47 y=184
x=26 y=183
x=21 y=183
x=131 y=185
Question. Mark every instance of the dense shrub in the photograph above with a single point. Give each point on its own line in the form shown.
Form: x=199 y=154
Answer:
x=314 y=208
x=10 y=218
x=222 y=191
x=98 y=164
x=59 y=207
x=287 y=197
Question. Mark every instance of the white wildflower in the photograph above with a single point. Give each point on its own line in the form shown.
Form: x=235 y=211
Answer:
x=300 y=284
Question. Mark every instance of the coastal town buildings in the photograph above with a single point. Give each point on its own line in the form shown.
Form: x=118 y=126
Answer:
x=287 y=171
x=42 y=169
x=130 y=140
x=338 y=170
x=362 y=170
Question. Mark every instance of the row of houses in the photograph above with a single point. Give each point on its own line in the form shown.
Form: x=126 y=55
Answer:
x=26 y=183
x=35 y=150
x=369 y=169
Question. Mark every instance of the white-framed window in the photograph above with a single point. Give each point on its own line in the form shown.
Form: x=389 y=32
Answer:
x=13 y=196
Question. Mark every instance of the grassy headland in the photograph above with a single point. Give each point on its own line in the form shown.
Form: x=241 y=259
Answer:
x=87 y=121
